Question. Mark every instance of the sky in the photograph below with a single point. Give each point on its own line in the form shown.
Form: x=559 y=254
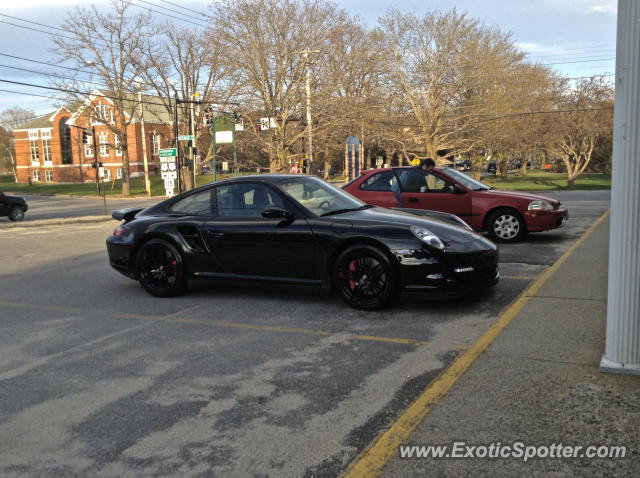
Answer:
x=575 y=37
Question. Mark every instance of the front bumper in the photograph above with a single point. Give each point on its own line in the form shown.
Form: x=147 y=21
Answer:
x=448 y=274
x=545 y=220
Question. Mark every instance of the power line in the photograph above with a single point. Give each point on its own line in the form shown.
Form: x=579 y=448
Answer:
x=185 y=8
x=45 y=63
x=72 y=69
x=46 y=32
x=130 y=2
x=579 y=61
x=78 y=92
x=170 y=10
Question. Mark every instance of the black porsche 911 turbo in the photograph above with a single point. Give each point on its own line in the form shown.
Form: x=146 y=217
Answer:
x=294 y=229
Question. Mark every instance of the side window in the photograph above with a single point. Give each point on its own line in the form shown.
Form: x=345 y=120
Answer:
x=384 y=181
x=420 y=181
x=196 y=204
x=245 y=199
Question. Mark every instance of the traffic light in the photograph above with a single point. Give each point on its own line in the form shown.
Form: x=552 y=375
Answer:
x=67 y=134
x=84 y=137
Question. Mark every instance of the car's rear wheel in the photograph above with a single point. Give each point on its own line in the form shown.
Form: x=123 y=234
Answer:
x=16 y=214
x=506 y=225
x=160 y=269
x=365 y=278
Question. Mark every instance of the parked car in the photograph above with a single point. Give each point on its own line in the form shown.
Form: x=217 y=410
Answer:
x=492 y=167
x=506 y=216
x=298 y=229
x=12 y=206
x=463 y=164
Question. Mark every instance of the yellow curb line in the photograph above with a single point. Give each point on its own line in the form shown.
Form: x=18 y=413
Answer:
x=371 y=462
x=216 y=323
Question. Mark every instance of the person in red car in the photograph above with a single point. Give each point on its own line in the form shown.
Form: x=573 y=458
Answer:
x=425 y=165
x=506 y=216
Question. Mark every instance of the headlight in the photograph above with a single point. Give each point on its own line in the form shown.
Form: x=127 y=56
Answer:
x=427 y=237
x=540 y=205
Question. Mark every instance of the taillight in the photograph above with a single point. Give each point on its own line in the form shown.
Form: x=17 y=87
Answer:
x=119 y=231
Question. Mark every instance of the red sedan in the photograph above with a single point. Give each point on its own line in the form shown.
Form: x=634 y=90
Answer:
x=506 y=216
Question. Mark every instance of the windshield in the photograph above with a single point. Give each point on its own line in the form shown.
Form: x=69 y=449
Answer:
x=319 y=197
x=465 y=180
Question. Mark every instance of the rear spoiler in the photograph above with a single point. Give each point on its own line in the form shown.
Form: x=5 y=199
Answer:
x=127 y=214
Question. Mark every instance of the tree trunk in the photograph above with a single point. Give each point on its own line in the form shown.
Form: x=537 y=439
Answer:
x=570 y=182
x=523 y=165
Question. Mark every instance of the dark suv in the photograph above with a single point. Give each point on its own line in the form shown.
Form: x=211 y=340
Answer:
x=12 y=206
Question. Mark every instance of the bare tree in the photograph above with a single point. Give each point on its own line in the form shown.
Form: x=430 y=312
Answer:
x=587 y=120
x=441 y=63
x=110 y=45
x=10 y=119
x=264 y=48
x=184 y=63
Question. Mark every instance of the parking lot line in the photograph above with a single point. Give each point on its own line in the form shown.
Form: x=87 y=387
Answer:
x=371 y=462
x=518 y=277
x=215 y=323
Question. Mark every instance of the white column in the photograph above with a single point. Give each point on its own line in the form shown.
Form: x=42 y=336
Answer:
x=622 y=350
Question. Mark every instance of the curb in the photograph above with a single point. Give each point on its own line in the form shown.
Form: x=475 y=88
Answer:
x=58 y=222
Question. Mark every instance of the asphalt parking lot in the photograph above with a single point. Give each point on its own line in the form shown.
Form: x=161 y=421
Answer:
x=97 y=378
x=53 y=207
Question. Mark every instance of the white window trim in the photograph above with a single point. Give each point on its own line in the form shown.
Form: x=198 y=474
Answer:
x=119 y=173
x=36 y=175
x=116 y=143
x=104 y=144
x=35 y=158
x=48 y=176
x=88 y=147
x=46 y=152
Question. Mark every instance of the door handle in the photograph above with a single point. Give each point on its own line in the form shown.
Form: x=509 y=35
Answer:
x=215 y=233
x=413 y=199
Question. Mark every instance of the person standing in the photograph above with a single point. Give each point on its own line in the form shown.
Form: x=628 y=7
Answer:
x=426 y=164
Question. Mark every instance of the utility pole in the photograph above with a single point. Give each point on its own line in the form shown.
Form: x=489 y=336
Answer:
x=147 y=183
x=308 y=64
x=196 y=95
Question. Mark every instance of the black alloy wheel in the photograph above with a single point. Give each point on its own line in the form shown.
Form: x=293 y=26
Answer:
x=365 y=278
x=16 y=214
x=506 y=225
x=160 y=269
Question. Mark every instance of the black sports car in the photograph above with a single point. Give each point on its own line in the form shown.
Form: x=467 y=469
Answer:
x=294 y=229
x=12 y=206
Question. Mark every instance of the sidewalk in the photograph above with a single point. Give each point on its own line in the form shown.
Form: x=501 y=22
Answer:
x=539 y=383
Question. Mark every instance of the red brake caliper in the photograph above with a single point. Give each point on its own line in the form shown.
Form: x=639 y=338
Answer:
x=175 y=272
x=352 y=269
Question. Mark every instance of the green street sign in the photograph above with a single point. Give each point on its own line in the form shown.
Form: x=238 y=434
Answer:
x=185 y=137
x=168 y=152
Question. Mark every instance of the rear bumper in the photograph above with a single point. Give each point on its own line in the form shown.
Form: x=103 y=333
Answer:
x=120 y=256
x=545 y=220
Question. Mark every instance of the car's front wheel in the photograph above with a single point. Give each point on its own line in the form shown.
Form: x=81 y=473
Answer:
x=160 y=269
x=506 y=225
x=365 y=278
x=16 y=214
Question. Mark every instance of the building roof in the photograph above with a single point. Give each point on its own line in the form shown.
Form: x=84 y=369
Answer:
x=39 y=122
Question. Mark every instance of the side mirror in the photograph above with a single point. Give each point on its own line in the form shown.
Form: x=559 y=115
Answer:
x=457 y=189
x=276 y=212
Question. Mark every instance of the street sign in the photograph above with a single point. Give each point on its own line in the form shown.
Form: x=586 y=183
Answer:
x=185 y=137
x=224 y=137
x=167 y=152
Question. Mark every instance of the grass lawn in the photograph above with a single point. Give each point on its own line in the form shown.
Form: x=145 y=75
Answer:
x=544 y=181
x=534 y=181
x=7 y=185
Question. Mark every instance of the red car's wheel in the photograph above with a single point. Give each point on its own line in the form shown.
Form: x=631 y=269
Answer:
x=506 y=225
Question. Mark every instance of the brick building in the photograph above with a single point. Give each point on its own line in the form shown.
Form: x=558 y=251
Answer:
x=44 y=154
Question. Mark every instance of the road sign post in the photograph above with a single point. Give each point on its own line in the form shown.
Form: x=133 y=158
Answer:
x=169 y=169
